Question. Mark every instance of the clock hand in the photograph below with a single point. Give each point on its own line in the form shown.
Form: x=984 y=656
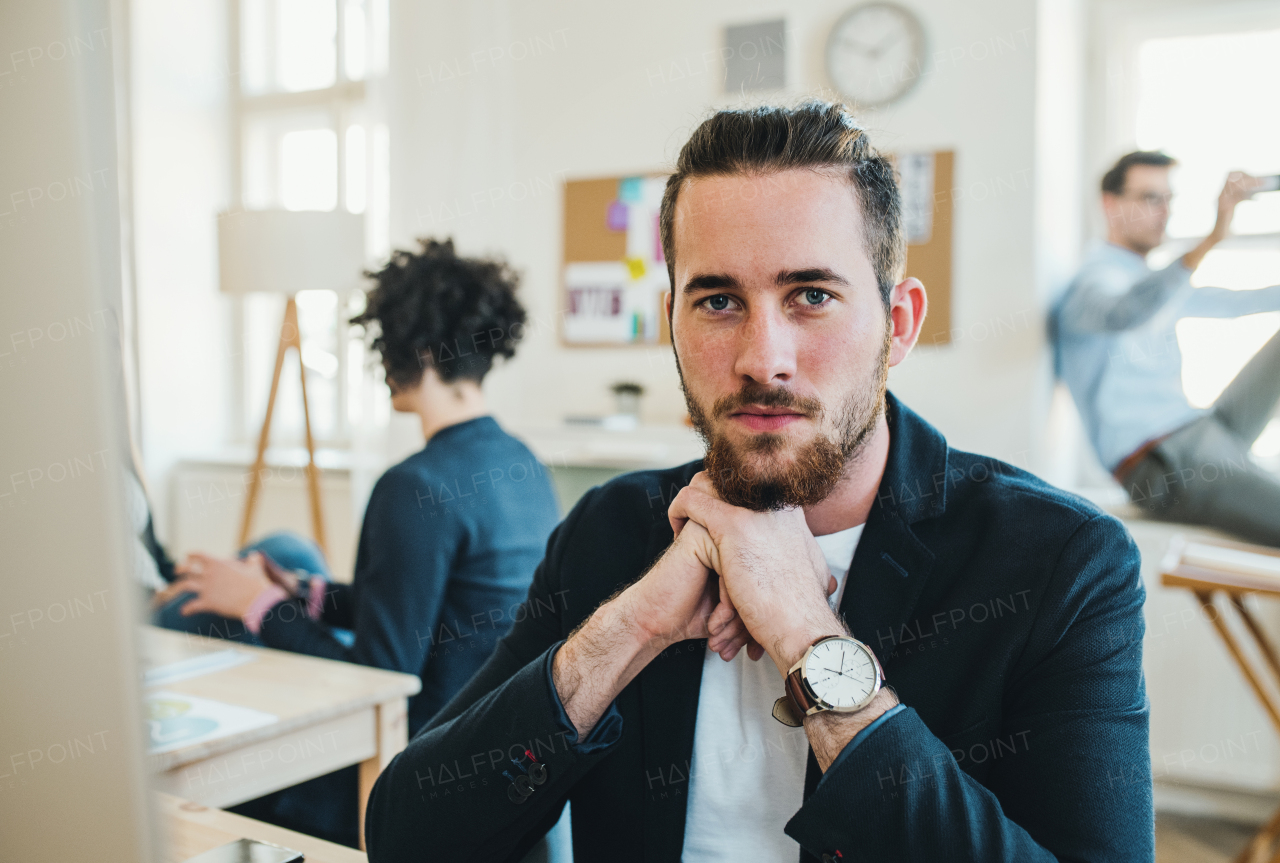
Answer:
x=885 y=45
x=854 y=45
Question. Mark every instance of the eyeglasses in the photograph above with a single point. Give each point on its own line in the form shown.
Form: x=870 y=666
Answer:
x=1151 y=199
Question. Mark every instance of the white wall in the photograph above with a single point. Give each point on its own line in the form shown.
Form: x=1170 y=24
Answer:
x=179 y=137
x=481 y=110
x=493 y=101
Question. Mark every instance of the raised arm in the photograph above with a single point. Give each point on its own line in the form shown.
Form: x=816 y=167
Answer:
x=1226 y=303
x=1238 y=187
x=1078 y=785
x=1089 y=307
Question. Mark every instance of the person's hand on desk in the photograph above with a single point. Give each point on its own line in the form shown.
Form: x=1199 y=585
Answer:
x=224 y=587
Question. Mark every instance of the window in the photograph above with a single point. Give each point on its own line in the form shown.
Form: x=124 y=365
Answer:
x=1204 y=99
x=305 y=139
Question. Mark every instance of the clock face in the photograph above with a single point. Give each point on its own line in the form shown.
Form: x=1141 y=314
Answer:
x=875 y=53
x=841 y=672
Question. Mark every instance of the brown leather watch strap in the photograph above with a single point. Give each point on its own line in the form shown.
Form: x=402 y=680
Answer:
x=795 y=690
x=788 y=709
x=784 y=710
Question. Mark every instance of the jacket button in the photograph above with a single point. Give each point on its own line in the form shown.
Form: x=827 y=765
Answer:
x=520 y=789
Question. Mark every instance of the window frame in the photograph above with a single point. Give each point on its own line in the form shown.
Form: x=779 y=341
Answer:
x=1120 y=28
x=345 y=102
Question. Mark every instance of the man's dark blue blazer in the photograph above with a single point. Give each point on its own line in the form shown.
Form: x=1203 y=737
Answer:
x=1008 y=617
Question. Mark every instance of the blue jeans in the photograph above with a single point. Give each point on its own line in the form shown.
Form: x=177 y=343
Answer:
x=288 y=550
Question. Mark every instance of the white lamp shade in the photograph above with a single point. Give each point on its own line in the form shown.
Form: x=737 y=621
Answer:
x=283 y=252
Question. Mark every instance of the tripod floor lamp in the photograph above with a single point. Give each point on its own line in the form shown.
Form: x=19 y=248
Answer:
x=283 y=252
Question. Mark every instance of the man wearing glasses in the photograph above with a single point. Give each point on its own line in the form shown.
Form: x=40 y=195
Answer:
x=1118 y=352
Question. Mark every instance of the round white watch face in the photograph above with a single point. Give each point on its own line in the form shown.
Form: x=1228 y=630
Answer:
x=841 y=672
x=875 y=53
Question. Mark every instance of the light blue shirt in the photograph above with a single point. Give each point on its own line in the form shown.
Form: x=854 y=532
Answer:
x=1118 y=345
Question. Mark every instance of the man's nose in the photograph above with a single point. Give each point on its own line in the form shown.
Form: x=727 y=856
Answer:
x=766 y=347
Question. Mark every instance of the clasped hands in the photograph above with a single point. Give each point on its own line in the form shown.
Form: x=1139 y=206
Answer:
x=737 y=578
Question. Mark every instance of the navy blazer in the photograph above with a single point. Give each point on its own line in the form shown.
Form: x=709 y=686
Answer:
x=1007 y=614
x=449 y=539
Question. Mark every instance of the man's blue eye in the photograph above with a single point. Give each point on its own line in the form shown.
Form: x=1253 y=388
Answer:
x=718 y=303
x=815 y=297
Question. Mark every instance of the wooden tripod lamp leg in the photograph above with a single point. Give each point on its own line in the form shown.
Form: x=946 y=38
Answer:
x=313 y=472
x=288 y=336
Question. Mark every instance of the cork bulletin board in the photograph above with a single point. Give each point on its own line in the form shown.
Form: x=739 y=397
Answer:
x=926 y=180
x=614 y=273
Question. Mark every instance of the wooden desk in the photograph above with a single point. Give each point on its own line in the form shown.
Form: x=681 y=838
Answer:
x=331 y=714
x=1246 y=569
x=191 y=829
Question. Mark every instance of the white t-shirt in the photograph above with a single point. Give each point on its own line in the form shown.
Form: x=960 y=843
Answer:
x=747 y=777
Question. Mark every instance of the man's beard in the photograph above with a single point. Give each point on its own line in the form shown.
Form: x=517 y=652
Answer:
x=818 y=464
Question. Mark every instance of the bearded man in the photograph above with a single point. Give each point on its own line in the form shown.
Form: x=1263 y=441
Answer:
x=954 y=646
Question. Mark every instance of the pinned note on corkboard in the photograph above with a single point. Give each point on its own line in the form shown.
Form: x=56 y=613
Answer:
x=925 y=180
x=615 y=275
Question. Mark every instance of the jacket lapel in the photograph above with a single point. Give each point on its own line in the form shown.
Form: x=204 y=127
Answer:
x=891 y=565
x=888 y=572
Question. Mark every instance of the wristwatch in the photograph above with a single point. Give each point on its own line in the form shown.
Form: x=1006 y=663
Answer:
x=836 y=673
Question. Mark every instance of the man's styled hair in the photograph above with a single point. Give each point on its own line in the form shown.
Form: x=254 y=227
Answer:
x=1113 y=181
x=436 y=309
x=813 y=134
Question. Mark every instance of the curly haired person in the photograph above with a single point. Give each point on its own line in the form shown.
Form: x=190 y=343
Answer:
x=451 y=535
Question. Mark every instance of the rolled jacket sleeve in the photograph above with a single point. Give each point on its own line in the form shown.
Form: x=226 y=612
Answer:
x=445 y=796
x=859 y=737
x=606 y=732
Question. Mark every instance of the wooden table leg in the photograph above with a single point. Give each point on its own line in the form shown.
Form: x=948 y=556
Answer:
x=1260 y=847
x=392 y=720
x=1264 y=643
x=1206 y=600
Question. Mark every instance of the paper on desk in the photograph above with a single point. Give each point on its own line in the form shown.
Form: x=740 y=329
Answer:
x=1231 y=559
x=205 y=663
x=176 y=720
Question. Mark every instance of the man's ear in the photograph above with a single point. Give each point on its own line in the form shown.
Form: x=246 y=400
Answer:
x=668 y=309
x=908 y=305
x=1111 y=207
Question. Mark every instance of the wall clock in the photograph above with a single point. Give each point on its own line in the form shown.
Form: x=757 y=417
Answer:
x=876 y=53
